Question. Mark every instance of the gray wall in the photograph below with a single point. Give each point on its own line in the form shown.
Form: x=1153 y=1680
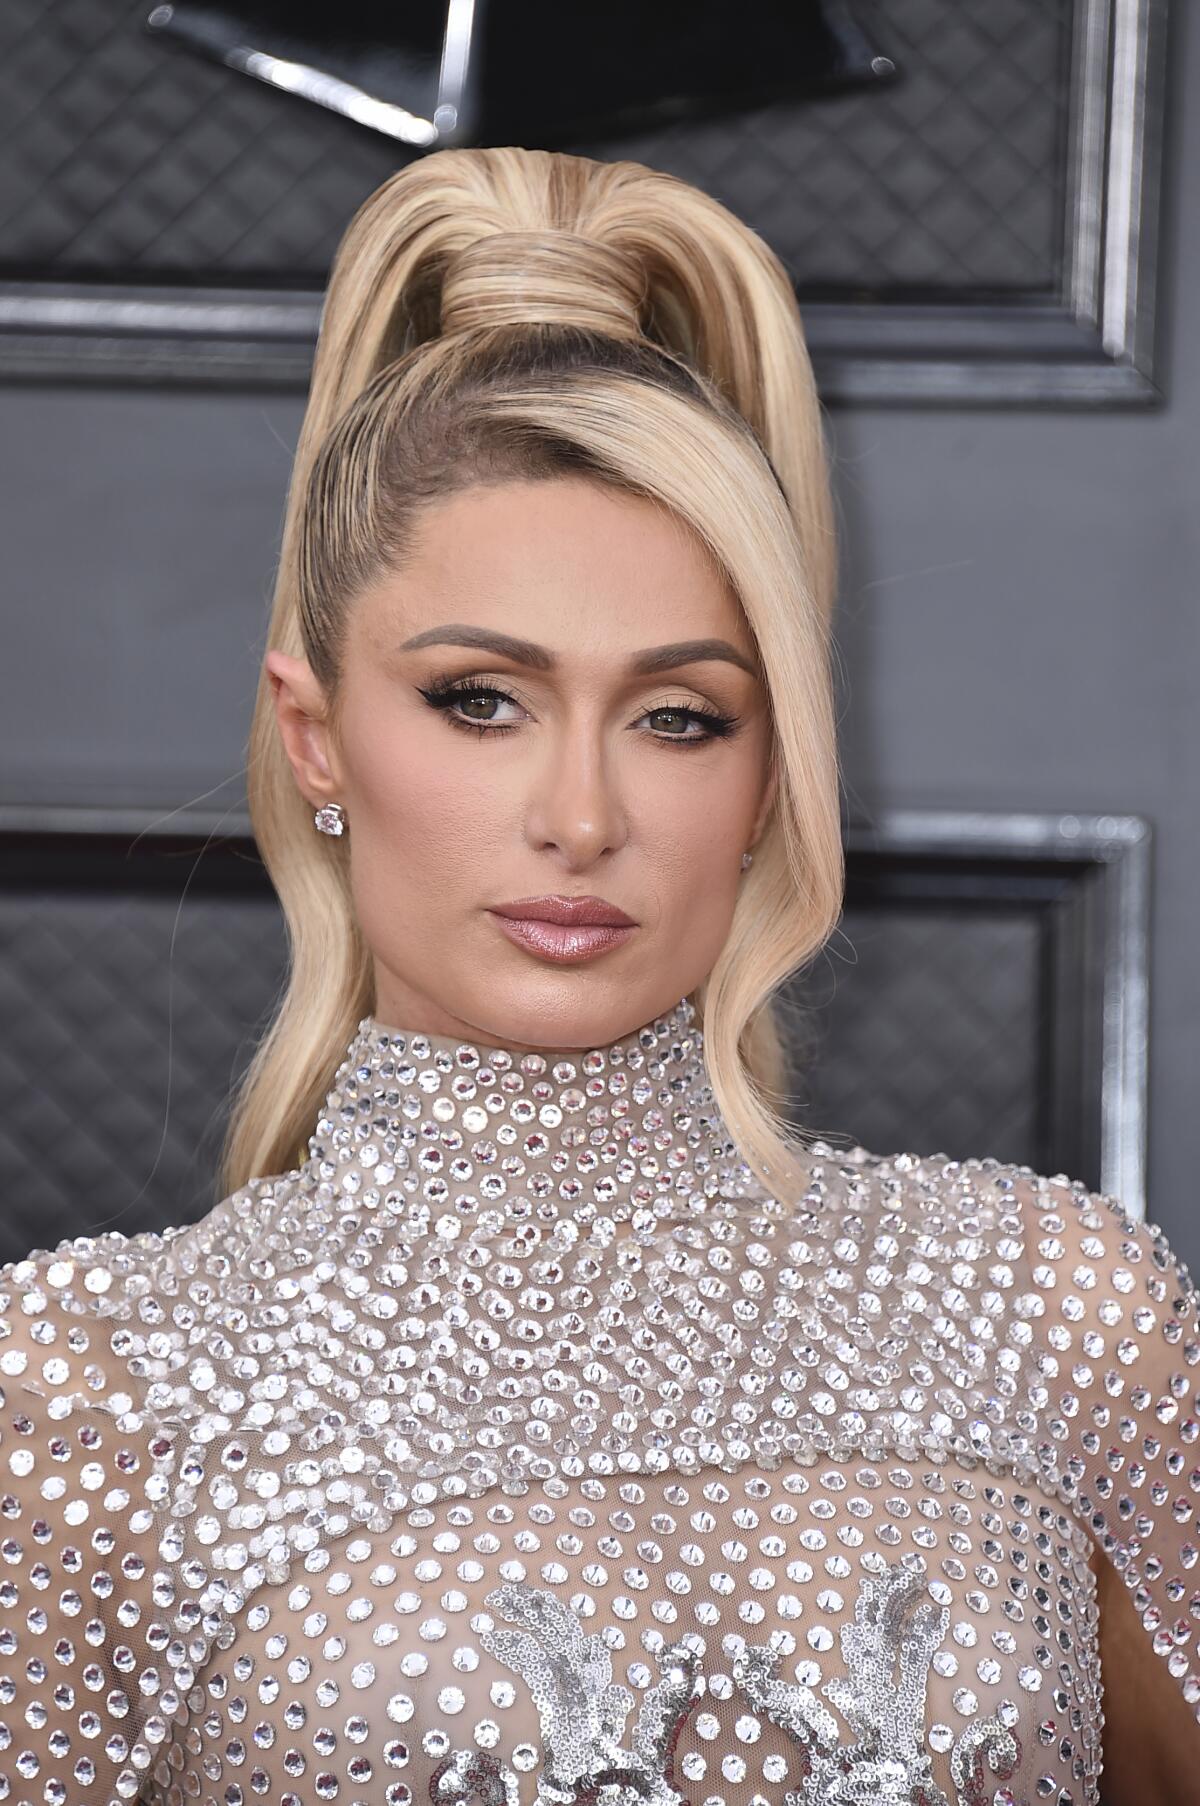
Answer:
x=1019 y=623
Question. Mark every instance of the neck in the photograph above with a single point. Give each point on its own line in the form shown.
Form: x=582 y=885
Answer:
x=446 y=1133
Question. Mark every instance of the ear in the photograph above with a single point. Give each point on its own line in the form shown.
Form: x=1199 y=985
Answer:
x=300 y=710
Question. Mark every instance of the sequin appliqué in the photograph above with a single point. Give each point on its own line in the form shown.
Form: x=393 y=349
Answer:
x=888 y=1651
x=584 y=1713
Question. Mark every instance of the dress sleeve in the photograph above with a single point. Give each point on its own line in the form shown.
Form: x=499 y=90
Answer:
x=81 y=1706
x=1114 y=1403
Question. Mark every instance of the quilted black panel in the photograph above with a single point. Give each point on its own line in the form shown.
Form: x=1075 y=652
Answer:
x=126 y=1012
x=924 y=1030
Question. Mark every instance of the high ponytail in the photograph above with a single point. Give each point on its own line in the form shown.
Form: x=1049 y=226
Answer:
x=510 y=312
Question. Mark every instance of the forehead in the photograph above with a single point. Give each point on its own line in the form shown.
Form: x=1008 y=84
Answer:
x=573 y=563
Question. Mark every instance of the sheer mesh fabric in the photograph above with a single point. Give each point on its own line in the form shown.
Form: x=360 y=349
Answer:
x=519 y=1447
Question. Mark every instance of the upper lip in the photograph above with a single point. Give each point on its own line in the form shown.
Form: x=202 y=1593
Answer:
x=571 y=912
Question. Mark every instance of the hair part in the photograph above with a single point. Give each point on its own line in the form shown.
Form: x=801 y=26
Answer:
x=506 y=315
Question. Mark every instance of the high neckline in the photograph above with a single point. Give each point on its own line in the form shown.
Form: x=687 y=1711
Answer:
x=444 y=1131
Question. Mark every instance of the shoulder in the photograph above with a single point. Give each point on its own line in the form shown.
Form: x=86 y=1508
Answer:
x=1067 y=1275
x=1046 y=1245
x=84 y=1291
x=940 y=1185
x=935 y=1196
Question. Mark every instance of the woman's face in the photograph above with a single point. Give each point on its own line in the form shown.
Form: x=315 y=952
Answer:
x=604 y=734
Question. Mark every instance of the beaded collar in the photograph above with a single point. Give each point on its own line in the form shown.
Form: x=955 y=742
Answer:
x=438 y=1130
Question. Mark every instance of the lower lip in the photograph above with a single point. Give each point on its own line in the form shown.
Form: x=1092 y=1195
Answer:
x=553 y=940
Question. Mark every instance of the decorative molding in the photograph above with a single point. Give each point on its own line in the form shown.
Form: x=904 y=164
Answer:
x=1109 y=933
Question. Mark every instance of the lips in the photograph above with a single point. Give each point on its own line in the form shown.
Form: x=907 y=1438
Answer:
x=564 y=930
x=567 y=912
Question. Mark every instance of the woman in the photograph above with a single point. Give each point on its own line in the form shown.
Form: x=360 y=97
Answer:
x=549 y=1422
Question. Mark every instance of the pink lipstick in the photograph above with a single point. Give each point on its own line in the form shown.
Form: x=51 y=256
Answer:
x=565 y=929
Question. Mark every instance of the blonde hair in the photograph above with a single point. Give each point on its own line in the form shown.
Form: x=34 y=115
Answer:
x=506 y=313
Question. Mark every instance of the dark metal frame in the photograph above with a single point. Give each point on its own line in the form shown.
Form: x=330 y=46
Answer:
x=1087 y=877
x=1092 y=346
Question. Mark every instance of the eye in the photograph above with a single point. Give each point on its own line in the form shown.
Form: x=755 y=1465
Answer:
x=712 y=724
x=451 y=696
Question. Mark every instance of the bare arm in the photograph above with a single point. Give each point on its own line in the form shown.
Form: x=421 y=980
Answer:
x=1149 y=1730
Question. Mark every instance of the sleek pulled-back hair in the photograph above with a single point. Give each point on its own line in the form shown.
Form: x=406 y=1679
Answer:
x=502 y=314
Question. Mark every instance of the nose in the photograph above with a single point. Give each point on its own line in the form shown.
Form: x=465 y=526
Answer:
x=575 y=805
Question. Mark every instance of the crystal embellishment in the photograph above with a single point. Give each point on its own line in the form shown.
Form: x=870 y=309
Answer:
x=517 y=1448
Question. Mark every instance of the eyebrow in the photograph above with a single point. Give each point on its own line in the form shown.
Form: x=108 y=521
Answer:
x=524 y=652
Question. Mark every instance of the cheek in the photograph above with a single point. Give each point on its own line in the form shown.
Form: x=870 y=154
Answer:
x=694 y=822
x=705 y=803
x=406 y=791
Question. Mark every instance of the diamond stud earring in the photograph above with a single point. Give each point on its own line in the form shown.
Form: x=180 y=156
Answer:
x=747 y=859
x=331 y=819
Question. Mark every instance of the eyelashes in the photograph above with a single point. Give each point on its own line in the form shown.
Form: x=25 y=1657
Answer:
x=445 y=696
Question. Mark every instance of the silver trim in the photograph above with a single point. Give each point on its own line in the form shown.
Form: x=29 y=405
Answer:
x=339 y=96
x=452 y=114
x=1088 y=102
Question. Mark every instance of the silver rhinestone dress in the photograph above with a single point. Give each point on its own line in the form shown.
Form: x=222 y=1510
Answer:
x=519 y=1447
